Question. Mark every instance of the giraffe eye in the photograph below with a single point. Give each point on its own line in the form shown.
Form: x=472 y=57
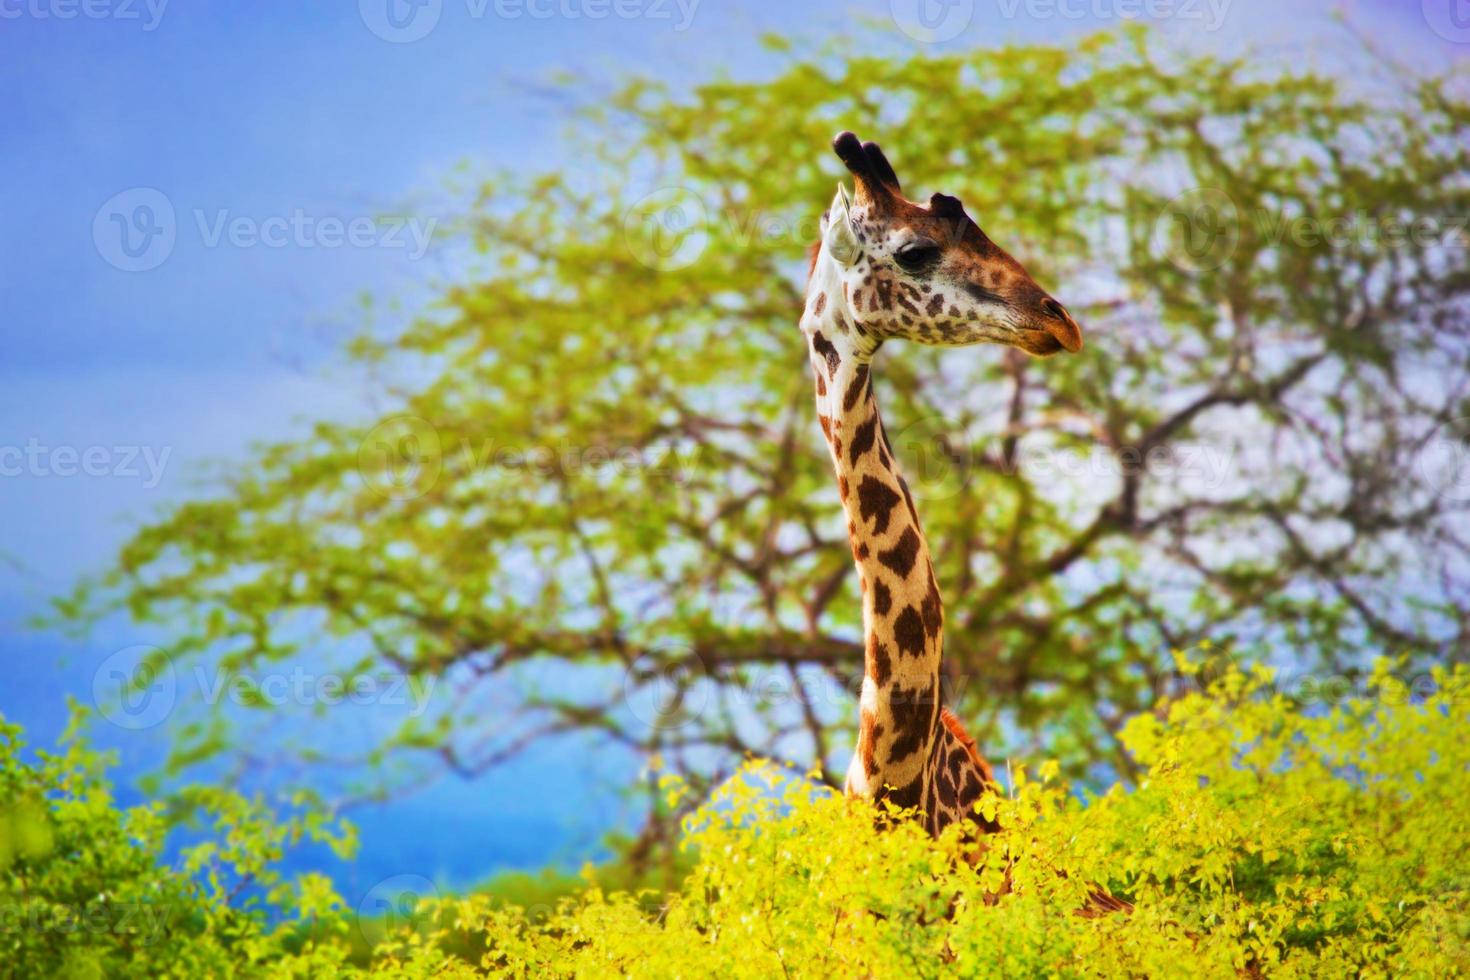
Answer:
x=916 y=256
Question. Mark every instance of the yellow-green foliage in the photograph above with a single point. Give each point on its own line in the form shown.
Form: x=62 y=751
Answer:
x=1264 y=838
x=1261 y=838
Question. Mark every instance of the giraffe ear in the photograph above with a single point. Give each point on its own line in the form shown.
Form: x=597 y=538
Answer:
x=838 y=237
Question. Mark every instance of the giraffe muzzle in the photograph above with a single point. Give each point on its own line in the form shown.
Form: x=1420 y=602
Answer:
x=1059 y=325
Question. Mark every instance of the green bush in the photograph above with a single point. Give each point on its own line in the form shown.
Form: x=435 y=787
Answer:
x=1267 y=838
x=84 y=891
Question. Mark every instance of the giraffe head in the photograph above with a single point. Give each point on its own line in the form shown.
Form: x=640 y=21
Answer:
x=928 y=273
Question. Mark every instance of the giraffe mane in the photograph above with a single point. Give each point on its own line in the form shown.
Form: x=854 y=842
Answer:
x=957 y=729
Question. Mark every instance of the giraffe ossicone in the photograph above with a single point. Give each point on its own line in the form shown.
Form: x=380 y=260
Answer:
x=887 y=268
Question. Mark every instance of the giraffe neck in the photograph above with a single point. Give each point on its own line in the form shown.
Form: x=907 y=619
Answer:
x=899 y=718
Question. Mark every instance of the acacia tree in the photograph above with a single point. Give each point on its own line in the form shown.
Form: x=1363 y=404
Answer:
x=601 y=506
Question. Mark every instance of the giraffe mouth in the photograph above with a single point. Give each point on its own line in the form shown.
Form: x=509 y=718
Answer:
x=1049 y=341
x=1058 y=324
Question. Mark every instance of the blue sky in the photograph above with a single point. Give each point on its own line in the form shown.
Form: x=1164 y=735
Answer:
x=277 y=118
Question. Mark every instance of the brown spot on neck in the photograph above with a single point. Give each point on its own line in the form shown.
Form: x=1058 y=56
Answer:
x=856 y=389
x=824 y=349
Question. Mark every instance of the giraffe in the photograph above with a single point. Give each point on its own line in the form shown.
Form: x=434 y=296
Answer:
x=888 y=268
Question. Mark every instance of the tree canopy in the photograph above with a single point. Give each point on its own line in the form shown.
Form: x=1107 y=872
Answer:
x=600 y=503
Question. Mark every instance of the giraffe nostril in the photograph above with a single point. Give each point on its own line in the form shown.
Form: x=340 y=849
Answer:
x=1053 y=308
